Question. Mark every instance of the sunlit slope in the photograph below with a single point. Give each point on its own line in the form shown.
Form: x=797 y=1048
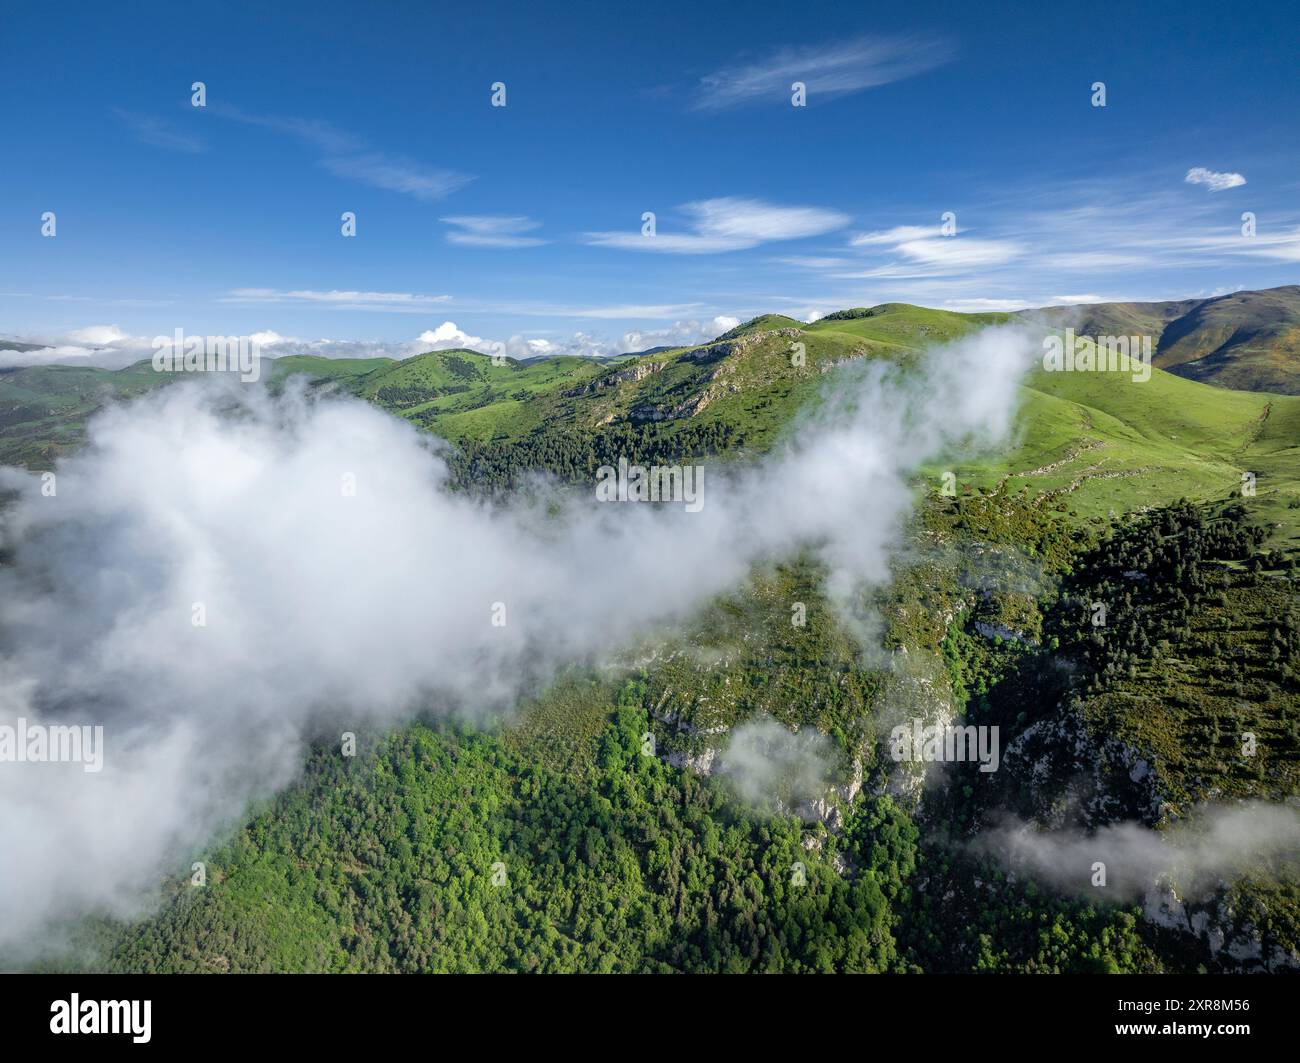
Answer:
x=1096 y=442
x=1245 y=340
x=462 y=394
x=43 y=409
x=316 y=368
x=904 y=325
x=749 y=383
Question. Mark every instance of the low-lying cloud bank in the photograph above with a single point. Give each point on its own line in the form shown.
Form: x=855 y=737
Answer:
x=1198 y=853
x=769 y=766
x=109 y=347
x=219 y=576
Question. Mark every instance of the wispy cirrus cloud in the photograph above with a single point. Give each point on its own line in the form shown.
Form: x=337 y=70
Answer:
x=619 y=311
x=397 y=174
x=346 y=155
x=927 y=251
x=1034 y=242
x=417 y=303
x=728 y=224
x=66 y=297
x=1212 y=179
x=828 y=70
x=160 y=134
x=897 y=235
x=311 y=131
x=984 y=306
x=492 y=230
x=399 y=302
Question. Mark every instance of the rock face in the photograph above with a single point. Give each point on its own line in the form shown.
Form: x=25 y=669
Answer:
x=1006 y=634
x=1069 y=772
x=715 y=351
x=914 y=695
x=1078 y=779
x=722 y=352
x=705 y=763
x=631 y=375
x=1231 y=941
x=820 y=810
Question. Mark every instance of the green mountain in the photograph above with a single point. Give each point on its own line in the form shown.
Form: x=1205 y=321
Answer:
x=1113 y=491
x=1249 y=341
x=904 y=325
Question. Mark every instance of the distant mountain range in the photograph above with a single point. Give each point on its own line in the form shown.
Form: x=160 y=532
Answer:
x=1249 y=341
x=1138 y=720
x=1083 y=437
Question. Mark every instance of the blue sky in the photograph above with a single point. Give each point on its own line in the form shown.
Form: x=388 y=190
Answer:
x=521 y=225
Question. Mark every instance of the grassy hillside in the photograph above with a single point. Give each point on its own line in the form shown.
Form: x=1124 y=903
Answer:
x=620 y=860
x=317 y=368
x=1092 y=443
x=1119 y=319
x=1249 y=341
x=43 y=409
x=762 y=323
x=904 y=325
x=462 y=395
x=1086 y=443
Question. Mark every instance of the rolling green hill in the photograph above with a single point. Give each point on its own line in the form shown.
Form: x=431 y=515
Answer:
x=617 y=860
x=1087 y=443
x=1249 y=341
x=1092 y=443
x=43 y=409
x=904 y=325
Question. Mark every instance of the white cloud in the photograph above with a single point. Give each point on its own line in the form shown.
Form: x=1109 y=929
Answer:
x=897 y=235
x=160 y=134
x=977 y=306
x=1214 y=181
x=1280 y=245
x=959 y=252
x=55 y=355
x=766 y=763
x=406 y=302
x=491 y=230
x=681 y=334
x=106 y=346
x=686 y=333
x=398 y=175
x=311 y=131
x=179 y=501
x=929 y=253
x=448 y=335
x=98 y=335
x=827 y=70
x=268 y=338
x=728 y=224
